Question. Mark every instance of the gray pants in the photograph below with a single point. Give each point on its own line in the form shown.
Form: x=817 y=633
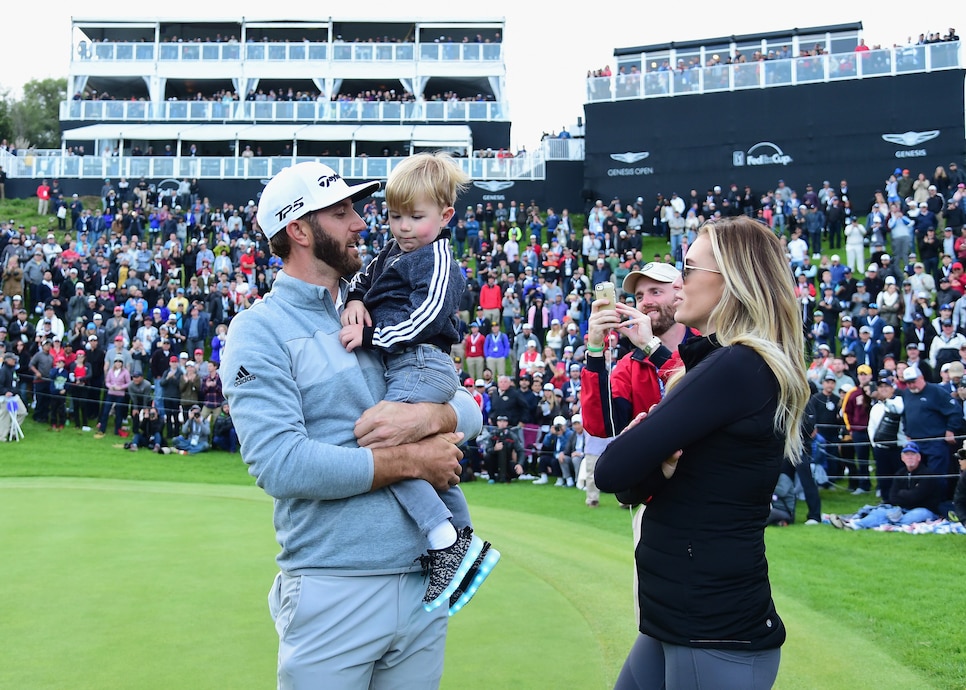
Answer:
x=653 y=664
x=425 y=374
x=350 y=632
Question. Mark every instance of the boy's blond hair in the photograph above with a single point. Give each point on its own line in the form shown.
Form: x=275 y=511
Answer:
x=433 y=176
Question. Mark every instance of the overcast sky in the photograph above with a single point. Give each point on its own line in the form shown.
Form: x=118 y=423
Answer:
x=548 y=49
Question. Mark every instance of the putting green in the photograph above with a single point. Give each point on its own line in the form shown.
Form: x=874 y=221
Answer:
x=120 y=584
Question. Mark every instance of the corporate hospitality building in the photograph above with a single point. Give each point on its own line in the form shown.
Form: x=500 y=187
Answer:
x=231 y=102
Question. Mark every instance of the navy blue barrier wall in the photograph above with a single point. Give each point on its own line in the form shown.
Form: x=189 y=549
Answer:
x=859 y=130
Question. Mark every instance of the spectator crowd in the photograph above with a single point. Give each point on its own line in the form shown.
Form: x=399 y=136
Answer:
x=126 y=307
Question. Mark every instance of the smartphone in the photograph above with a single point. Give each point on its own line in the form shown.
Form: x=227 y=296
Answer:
x=606 y=291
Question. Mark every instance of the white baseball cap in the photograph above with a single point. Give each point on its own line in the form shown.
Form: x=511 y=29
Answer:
x=655 y=270
x=302 y=188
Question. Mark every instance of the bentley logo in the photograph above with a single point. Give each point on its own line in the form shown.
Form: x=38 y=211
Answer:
x=493 y=185
x=630 y=157
x=911 y=138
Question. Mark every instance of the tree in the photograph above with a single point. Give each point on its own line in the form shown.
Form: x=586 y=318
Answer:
x=36 y=117
x=6 y=128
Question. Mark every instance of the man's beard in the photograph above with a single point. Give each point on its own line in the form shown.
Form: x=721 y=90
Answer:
x=330 y=252
x=662 y=319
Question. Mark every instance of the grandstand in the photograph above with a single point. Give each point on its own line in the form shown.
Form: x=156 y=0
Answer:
x=801 y=104
x=232 y=101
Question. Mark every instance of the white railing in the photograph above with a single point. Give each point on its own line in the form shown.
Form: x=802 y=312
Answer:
x=284 y=52
x=53 y=164
x=770 y=73
x=554 y=149
x=284 y=111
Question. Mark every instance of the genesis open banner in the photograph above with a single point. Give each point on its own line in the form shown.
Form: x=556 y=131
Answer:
x=858 y=130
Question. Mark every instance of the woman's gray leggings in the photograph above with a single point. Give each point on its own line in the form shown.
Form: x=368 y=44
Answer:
x=653 y=665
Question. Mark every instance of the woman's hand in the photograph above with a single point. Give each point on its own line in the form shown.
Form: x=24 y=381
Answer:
x=671 y=464
x=634 y=422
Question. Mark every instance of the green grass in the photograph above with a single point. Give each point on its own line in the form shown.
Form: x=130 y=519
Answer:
x=138 y=570
x=24 y=212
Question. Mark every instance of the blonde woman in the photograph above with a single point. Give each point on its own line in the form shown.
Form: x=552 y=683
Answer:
x=941 y=180
x=706 y=460
x=554 y=340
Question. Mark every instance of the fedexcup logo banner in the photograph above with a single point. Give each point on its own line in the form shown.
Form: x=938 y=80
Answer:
x=762 y=153
x=909 y=140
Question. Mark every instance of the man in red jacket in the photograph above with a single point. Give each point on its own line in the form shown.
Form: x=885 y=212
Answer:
x=43 y=198
x=473 y=351
x=491 y=300
x=610 y=401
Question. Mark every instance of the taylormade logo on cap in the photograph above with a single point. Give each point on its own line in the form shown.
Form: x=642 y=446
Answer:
x=303 y=188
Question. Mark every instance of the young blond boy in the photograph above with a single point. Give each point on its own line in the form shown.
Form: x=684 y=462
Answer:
x=405 y=304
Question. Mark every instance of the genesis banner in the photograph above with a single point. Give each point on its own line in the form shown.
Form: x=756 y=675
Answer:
x=857 y=130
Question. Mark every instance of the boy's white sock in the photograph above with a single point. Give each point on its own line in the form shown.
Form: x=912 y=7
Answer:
x=442 y=536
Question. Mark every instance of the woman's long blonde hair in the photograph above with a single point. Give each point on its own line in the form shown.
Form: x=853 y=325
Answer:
x=758 y=309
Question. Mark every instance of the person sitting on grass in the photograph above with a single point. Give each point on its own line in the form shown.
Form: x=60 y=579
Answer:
x=914 y=497
x=553 y=450
x=783 y=500
x=223 y=434
x=150 y=426
x=194 y=434
x=500 y=458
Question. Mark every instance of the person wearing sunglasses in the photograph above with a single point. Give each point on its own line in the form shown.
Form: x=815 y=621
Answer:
x=706 y=460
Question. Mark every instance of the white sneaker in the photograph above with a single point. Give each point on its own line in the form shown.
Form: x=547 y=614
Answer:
x=811 y=522
x=570 y=481
x=483 y=475
x=559 y=482
x=527 y=477
x=542 y=480
x=85 y=428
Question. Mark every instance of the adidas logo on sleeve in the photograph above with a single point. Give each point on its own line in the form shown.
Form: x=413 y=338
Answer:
x=243 y=376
